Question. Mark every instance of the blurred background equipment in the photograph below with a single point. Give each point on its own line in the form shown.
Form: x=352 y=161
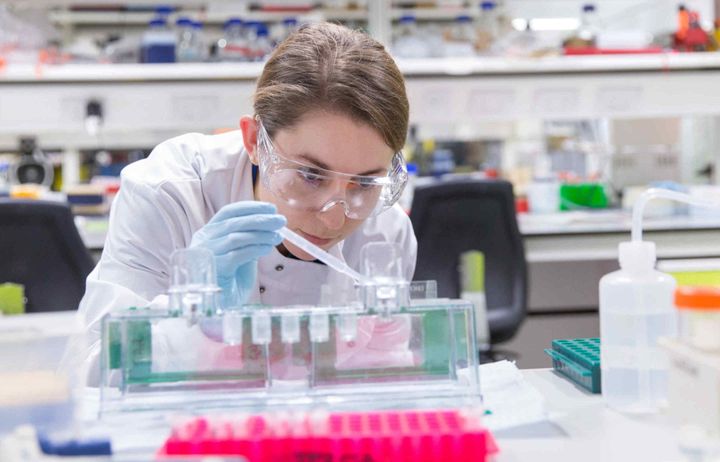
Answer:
x=33 y=166
x=480 y=214
x=43 y=253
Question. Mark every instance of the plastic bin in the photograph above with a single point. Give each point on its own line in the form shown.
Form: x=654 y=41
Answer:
x=31 y=391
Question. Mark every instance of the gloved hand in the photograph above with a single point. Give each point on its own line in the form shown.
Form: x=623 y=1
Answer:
x=238 y=235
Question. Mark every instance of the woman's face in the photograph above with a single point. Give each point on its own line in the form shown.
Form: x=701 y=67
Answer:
x=332 y=142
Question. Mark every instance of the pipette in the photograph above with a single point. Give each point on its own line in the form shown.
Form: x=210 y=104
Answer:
x=330 y=260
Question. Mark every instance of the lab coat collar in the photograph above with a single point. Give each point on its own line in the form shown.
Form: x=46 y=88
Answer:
x=287 y=281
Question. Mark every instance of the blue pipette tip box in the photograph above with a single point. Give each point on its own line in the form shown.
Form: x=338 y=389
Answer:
x=578 y=359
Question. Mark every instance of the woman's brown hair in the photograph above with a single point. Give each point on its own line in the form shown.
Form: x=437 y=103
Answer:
x=330 y=67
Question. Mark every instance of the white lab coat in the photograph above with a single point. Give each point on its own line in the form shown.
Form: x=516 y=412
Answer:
x=165 y=198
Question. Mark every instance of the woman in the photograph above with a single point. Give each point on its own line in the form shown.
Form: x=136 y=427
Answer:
x=321 y=155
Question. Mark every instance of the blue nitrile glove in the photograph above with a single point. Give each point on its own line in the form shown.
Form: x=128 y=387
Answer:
x=238 y=235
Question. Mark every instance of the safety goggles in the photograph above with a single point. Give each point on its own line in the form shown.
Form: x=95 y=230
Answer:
x=311 y=188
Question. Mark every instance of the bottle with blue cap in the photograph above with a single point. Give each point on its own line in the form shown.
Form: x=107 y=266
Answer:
x=487 y=27
x=251 y=28
x=407 y=42
x=187 y=49
x=462 y=38
x=158 y=43
x=589 y=25
x=233 y=45
x=163 y=11
x=259 y=40
x=200 y=41
x=264 y=45
x=289 y=25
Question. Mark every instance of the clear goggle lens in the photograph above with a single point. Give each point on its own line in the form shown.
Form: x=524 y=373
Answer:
x=312 y=188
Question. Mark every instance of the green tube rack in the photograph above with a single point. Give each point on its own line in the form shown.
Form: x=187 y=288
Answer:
x=579 y=360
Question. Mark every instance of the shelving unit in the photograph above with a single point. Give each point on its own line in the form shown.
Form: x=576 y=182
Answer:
x=146 y=104
x=167 y=99
x=67 y=17
x=141 y=18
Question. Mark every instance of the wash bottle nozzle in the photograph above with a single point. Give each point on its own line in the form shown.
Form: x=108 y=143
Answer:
x=638 y=254
x=660 y=193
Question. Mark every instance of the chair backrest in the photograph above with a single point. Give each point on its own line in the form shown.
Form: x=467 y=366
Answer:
x=41 y=248
x=453 y=217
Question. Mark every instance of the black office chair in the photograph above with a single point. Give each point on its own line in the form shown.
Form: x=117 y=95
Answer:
x=457 y=216
x=40 y=248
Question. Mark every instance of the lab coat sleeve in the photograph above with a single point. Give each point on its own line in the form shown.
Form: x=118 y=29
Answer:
x=145 y=228
x=411 y=246
x=408 y=242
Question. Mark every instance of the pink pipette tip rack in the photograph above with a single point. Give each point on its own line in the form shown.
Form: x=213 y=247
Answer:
x=398 y=436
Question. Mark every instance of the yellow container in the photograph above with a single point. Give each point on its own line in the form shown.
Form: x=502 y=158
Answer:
x=698 y=272
x=26 y=191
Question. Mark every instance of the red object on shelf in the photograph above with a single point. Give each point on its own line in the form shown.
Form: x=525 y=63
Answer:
x=690 y=36
x=521 y=205
x=112 y=188
x=422 y=436
x=585 y=51
x=491 y=173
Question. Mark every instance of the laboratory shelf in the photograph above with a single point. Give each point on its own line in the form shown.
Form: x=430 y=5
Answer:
x=607 y=221
x=141 y=18
x=68 y=17
x=660 y=62
x=457 y=95
x=594 y=236
x=665 y=64
x=440 y=13
x=97 y=18
x=74 y=73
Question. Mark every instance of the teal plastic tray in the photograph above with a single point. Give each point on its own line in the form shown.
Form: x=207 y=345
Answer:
x=579 y=360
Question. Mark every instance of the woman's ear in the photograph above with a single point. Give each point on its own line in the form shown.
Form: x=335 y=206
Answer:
x=249 y=129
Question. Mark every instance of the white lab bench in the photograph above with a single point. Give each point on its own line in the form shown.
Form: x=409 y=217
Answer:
x=579 y=427
x=583 y=236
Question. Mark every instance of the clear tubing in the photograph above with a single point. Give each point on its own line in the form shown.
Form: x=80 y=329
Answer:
x=655 y=193
x=320 y=254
